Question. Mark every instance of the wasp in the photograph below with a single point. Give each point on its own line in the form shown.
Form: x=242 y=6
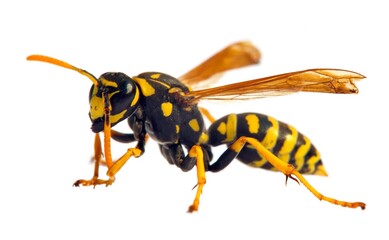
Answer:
x=165 y=109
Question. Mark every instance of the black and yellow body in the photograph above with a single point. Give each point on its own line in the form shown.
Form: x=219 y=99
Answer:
x=164 y=108
x=155 y=105
x=281 y=139
x=166 y=117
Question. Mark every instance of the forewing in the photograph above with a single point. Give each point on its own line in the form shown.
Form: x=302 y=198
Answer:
x=311 y=80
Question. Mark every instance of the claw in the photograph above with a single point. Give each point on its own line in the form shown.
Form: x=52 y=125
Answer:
x=93 y=182
x=290 y=176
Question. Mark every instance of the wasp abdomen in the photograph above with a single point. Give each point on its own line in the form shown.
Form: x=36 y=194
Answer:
x=281 y=139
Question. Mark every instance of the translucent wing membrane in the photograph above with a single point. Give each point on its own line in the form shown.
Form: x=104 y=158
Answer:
x=311 y=80
x=236 y=55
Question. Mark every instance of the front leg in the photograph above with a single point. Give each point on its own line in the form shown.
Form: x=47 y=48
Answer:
x=114 y=167
x=97 y=159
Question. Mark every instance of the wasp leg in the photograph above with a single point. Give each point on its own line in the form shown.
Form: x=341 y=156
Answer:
x=197 y=152
x=107 y=150
x=280 y=165
x=119 y=137
x=97 y=159
x=174 y=154
x=207 y=114
x=197 y=155
x=131 y=152
x=122 y=137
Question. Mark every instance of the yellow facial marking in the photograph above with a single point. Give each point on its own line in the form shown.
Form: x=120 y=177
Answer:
x=290 y=141
x=167 y=108
x=145 y=87
x=231 y=128
x=253 y=123
x=155 y=75
x=96 y=107
x=271 y=137
x=222 y=129
x=194 y=125
x=108 y=83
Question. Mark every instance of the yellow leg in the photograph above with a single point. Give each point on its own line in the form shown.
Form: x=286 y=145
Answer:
x=107 y=151
x=197 y=152
x=116 y=166
x=112 y=169
x=97 y=159
x=208 y=115
x=289 y=170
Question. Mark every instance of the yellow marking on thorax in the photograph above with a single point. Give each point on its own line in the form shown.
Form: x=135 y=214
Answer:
x=194 y=125
x=136 y=97
x=253 y=123
x=203 y=138
x=161 y=83
x=177 y=128
x=231 y=128
x=155 y=75
x=301 y=152
x=290 y=141
x=176 y=90
x=145 y=87
x=222 y=128
x=167 y=108
x=271 y=137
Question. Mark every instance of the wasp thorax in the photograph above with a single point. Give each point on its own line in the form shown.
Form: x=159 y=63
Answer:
x=123 y=96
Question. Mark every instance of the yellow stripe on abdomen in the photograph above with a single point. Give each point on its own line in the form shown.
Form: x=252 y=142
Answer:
x=290 y=141
x=301 y=153
x=270 y=139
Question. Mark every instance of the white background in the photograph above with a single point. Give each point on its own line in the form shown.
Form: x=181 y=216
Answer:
x=46 y=142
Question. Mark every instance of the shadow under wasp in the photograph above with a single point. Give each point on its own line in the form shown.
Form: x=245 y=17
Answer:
x=165 y=108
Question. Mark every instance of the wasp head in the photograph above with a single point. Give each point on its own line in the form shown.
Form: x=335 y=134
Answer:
x=122 y=99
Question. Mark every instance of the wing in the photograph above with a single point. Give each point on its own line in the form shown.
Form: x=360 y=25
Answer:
x=236 y=55
x=311 y=80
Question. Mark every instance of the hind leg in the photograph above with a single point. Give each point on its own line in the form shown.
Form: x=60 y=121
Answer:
x=287 y=169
